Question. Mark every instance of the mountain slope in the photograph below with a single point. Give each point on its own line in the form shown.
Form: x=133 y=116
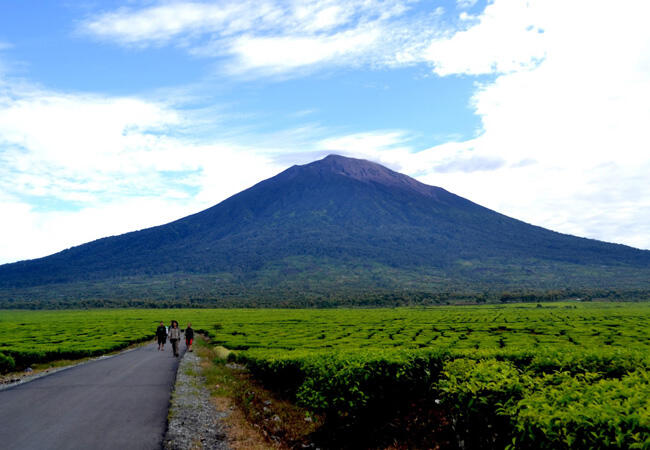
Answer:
x=343 y=223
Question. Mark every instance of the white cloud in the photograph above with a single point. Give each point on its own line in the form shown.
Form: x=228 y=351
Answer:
x=505 y=37
x=580 y=113
x=36 y=230
x=369 y=143
x=275 y=37
x=77 y=130
x=282 y=54
x=160 y=23
x=38 y=233
x=74 y=168
x=81 y=147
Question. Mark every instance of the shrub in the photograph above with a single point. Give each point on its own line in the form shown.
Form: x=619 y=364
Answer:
x=7 y=363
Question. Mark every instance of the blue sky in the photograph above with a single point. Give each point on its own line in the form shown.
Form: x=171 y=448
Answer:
x=116 y=116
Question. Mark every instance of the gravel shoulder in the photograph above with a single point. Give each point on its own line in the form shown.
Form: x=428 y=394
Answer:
x=194 y=421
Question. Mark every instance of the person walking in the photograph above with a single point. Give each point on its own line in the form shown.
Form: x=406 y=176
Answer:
x=174 y=336
x=189 y=336
x=161 y=334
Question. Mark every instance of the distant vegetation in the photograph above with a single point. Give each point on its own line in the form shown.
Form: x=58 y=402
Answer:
x=540 y=375
x=202 y=291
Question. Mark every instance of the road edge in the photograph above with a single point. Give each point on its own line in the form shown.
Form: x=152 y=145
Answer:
x=29 y=378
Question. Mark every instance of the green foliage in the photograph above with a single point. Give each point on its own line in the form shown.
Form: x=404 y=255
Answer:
x=7 y=363
x=343 y=384
x=475 y=391
x=584 y=411
x=30 y=338
x=496 y=404
x=563 y=375
x=476 y=386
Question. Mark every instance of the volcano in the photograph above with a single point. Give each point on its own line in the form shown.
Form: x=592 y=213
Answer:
x=337 y=227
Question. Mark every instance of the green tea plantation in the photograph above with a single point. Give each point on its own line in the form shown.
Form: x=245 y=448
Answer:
x=553 y=375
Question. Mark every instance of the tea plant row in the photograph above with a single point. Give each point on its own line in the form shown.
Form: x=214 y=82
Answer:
x=558 y=375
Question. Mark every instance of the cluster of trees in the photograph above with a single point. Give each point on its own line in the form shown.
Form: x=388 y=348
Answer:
x=290 y=298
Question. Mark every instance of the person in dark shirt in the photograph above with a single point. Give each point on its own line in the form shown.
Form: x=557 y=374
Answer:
x=161 y=334
x=189 y=336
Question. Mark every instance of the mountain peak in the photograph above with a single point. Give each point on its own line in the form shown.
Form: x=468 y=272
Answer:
x=353 y=167
x=348 y=163
x=367 y=172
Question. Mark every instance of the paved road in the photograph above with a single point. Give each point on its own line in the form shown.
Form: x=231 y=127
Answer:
x=114 y=403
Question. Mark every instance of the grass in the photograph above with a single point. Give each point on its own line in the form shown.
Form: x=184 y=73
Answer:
x=259 y=419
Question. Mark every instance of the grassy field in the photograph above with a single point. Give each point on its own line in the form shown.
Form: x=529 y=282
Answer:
x=553 y=375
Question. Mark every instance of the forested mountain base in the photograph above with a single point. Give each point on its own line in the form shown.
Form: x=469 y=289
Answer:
x=336 y=290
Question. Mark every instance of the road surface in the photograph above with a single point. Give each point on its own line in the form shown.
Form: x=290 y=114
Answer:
x=119 y=402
